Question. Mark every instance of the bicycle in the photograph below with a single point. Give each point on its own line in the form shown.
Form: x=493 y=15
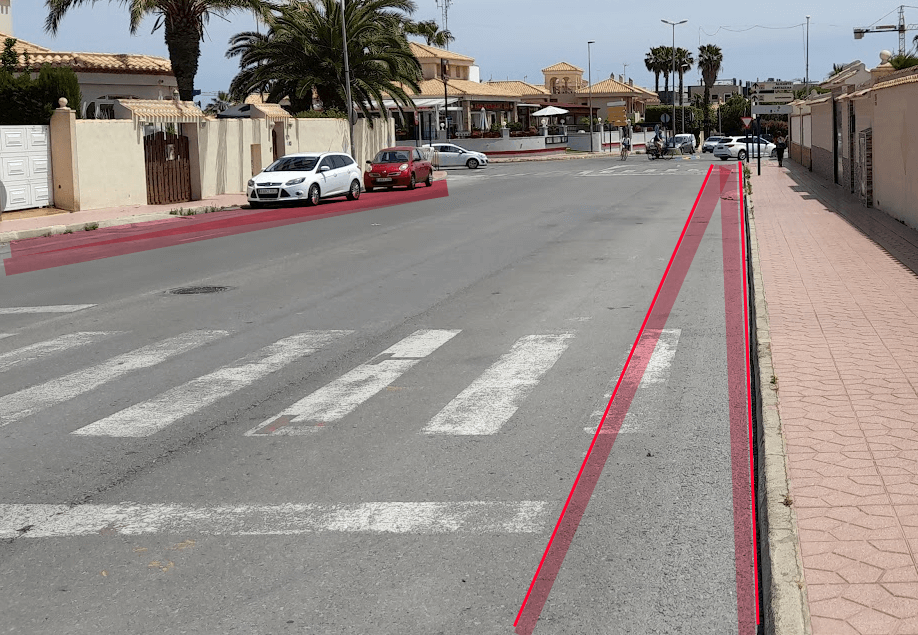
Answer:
x=626 y=148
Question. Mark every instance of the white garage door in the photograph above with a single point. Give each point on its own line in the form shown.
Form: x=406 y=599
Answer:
x=25 y=167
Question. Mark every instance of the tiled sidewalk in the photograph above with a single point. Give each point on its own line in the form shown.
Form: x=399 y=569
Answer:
x=844 y=320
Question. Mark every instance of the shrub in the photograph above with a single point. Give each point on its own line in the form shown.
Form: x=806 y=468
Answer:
x=27 y=101
x=328 y=113
x=88 y=227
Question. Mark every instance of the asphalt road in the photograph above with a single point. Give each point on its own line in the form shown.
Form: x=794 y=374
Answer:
x=375 y=428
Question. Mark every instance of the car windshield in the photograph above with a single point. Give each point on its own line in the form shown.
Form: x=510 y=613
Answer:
x=293 y=164
x=391 y=156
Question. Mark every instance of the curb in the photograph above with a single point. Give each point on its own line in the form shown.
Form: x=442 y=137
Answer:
x=786 y=608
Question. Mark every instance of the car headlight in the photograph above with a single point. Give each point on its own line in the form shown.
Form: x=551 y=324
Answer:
x=295 y=181
x=251 y=183
x=403 y=167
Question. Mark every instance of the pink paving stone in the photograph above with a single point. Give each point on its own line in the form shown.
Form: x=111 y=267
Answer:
x=843 y=316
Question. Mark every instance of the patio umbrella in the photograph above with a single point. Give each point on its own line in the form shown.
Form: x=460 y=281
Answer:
x=549 y=111
x=483 y=123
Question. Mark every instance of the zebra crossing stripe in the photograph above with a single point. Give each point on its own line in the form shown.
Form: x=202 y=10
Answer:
x=3 y=335
x=656 y=372
x=494 y=397
x=49 y=347
x=342 y=396
x=60 y=308
x=129 y=519
x=149 y=417
x=19 y=405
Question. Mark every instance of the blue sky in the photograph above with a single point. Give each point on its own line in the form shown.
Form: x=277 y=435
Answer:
x=517 y=38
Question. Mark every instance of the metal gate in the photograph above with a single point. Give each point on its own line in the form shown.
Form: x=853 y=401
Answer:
x=865 y=166
x=168 y=163
x=25 y=167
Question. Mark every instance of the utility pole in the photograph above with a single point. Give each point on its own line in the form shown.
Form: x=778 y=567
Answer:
x=806 y=80
x=590 y=85
x=444 y=75
x=673 y=94
x=347 y=80
x=625 y=71
x=444 y=6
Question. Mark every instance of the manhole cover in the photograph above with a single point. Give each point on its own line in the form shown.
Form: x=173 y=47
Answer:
x=197 y=290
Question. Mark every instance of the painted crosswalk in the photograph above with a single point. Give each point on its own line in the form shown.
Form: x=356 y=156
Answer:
x=130 y=519
x=58 y=308
x=23 y=403
x=490 y=401
x=151 y=416
x=60 y=344
x=341 y=397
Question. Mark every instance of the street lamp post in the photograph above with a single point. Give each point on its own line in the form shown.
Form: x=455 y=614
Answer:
x=673 y=94
x=806 y=79
x=444 y=75
x=347 y=80
x=590 y=86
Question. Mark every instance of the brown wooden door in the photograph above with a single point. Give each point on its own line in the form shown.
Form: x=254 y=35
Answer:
x=168 y=163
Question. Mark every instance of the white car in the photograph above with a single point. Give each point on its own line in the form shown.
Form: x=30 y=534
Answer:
x=736 y=148
x=710 y=143
x=447 y=155
x=307 y=177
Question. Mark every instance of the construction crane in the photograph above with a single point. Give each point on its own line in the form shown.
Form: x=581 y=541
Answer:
x=901 y=28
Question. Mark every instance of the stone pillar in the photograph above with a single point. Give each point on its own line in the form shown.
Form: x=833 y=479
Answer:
x=65 y=177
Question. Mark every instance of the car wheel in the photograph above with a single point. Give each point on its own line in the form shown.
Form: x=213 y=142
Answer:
x=741 y=155
x=412 y=182
x=429 y=180
x=354 y=193
x=314 y=194
x=472 y=164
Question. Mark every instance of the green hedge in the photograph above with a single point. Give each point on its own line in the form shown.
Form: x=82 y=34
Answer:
x=27 y=101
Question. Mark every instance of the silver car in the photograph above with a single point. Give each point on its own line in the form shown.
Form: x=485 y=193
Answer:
x=448 y=155
x=710 y=143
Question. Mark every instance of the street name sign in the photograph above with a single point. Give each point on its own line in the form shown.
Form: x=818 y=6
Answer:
x=770 y=109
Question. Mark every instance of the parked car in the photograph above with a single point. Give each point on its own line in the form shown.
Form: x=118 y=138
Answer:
x=686 y=142
x=400 y=165
x=735 y=148
x=307 y=177
x=709 y=143
x=450 y=155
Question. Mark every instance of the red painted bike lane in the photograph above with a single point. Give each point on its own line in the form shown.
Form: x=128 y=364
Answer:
x=45 y=253
x=722 y=186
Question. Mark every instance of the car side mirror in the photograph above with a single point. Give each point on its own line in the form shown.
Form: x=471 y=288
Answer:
x=324 y=168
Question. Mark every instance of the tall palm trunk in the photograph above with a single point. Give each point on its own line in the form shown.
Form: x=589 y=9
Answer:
x=183 y=40
x=656 y=81
x=707 y=110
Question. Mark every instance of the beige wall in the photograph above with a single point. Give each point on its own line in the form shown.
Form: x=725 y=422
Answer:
x=822 y=125
x=224 y=148
x=135 y=85
x=110 y=163
x=895 y=153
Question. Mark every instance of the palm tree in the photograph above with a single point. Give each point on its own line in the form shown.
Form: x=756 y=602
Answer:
x=303 y=50
x=836 y=69
x=655 y=61
x=430 y=31
x=219 y=103
x=183 y=22
x=710 y=58
x=684 y=63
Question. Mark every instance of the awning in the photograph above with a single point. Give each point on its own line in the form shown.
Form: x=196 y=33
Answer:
x=271 y=112
x=159 y=111
x=422 y=103
x=528 y=105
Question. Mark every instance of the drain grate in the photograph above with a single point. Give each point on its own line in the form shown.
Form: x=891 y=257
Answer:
x=197 y=290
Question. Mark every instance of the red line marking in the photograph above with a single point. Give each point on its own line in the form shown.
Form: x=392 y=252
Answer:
x=739 y=392
x=601 y=445
x=36 y=254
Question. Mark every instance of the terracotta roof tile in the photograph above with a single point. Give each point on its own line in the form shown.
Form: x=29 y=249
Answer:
x=462 y=88
x=423 y=51
x=98 y=62
x=614 y=86
x=562 y=66
x=521 y=88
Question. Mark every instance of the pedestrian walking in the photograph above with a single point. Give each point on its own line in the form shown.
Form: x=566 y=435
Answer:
x=781 y=147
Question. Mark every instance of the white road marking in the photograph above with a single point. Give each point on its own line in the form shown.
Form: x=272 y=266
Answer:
x=494 y=397
x=149 y=417
x=3 y=335
x=342 y=396
x=60 y=308
x=128 y=519
x=656 y=372
x=42 y=349
x=21 y=404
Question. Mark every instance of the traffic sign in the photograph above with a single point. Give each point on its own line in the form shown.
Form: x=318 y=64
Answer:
x=746 y=121
x=771 y=109
x=784 y=87
x=665 y=118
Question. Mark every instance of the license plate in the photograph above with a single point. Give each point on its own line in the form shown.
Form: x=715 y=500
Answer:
x=270 y=190
x=383 y=180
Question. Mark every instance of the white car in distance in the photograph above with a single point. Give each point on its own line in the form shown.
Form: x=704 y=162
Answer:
x=307 y=177
x=736 y=148
x=448 y=155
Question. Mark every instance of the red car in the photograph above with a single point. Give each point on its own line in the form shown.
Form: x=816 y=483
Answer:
x=401 y=165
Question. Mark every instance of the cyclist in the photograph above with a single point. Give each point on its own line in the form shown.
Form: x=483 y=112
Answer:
x=626 y=147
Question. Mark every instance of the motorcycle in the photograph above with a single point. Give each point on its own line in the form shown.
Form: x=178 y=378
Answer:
x=654 y=151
